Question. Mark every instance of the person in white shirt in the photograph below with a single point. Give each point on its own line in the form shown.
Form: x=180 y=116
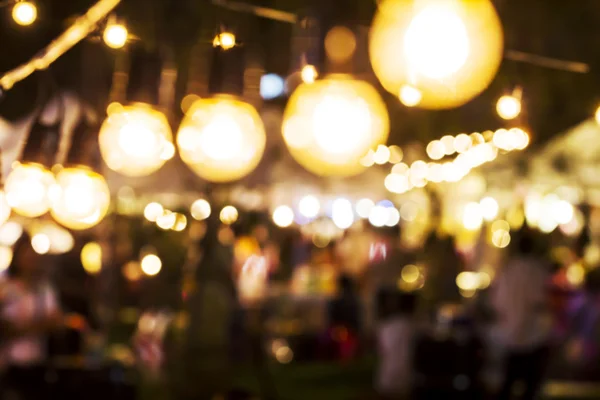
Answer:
x=524 y=321
x=29 y=311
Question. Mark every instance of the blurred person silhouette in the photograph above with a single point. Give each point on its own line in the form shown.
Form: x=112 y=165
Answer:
x=29 y=313
x=520 y=298
x=395 y=340
x=345 y=319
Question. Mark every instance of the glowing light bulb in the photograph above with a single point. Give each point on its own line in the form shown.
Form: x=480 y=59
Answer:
x=436 y=43
x=224 y=40
x=151 y=264
x=410 y=96
x=221 y=139
x=597 y=115
x=283 y=216
x=508 y=107
x=24 y=13
x=436 y=150
x=167 y=220
x=28 y=189
x=439 y=47
x=200 y=209
x=382 y=155
x=115 y=35
x=153 y=211
x=309 y=74
x=91 y=258
x=80 y=198
x=309 y=206
x=133 y=139
x=331 y=124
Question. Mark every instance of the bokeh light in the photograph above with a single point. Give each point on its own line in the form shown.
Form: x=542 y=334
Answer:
x=135 y=140
x=91 y=257
x=115 y=35
x=221 y=139
x=228 y=215
x=6 y=256
x=28 y=189
x=24 y=13
x=342 y=213
x=40 y=243
x=283 y=216
x=331 y=124
x=200 y=209
x=272 y=86
x=309 y=206
x=508 y=107
x=153 y=211
x=151 y=264
x=441 y=48
x=4 y=208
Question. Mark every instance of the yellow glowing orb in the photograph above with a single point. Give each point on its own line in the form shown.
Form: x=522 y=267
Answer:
x=200 y=209
x=80 y=199
x=4 y=208
x=153 y=211
x=24 y=13
x=597 y=115
x=151 y=264
x=508 y=107
x=28 y=189
x=40 y=243
x=225 y=40
x=331 y=124
x=115 y=35
x=410 y=96
x=221 y=139
x=309 y=206
x=228 y=215
x=309 y=74
x=135 y=140
x=91 y=257
x=283 y=216
x=6 y=256
x=449 y=50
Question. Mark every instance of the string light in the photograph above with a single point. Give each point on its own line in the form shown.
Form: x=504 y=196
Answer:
x=309 y=206
x=91 y=258
x=151 y=264
x=509 y=106
x=283 y=216
x=152 y=211
x=200 y=209
x=224 y=40
x=28 y=189
x=410 y=96
x=24 y=13
x=115 y=35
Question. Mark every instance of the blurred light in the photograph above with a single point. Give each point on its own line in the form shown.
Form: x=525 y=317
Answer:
x=340 y=44
x=378 y=216
x=364 y=207
x=467 y=280
x=221 y=139
x=224 y=40
x=4 y=208
x=410 y=96
x=200 y=209
x=151 y=264
x=61 y=240
x=489 y=208
x=368 y=160
x=342 y=214
x=448 y=142
x=180 y=222
x=472 y=216
x=28 y=189
x=228 y=215
x=271 y=86
x=167 y=220
x=418 y=170
x=500 y=225
x=508 y=107
x=115 y=35
x=462 y=143
x=309 y=206
x=320 y=241
x=40 y=243
x=153 y=211
x=382 y=154
x=436 y=150
x=81 y=198
x=485 y=280
x=575 y=274
x=439 y=47
x=133 y=139
x=500 y=238
x=309 y=74
x=284 y=355
x=410 y=273
x=24 y=13
x=393 y=217
x=330 y=125
x=187 y=102
x=283 y=216
x=91 y=257
x=132 y=271
x=562 y=211
x=6 y=256
x=467 y=294
x=597 y=115
x=396 y=183
x=396 y=154
x=10 y=232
